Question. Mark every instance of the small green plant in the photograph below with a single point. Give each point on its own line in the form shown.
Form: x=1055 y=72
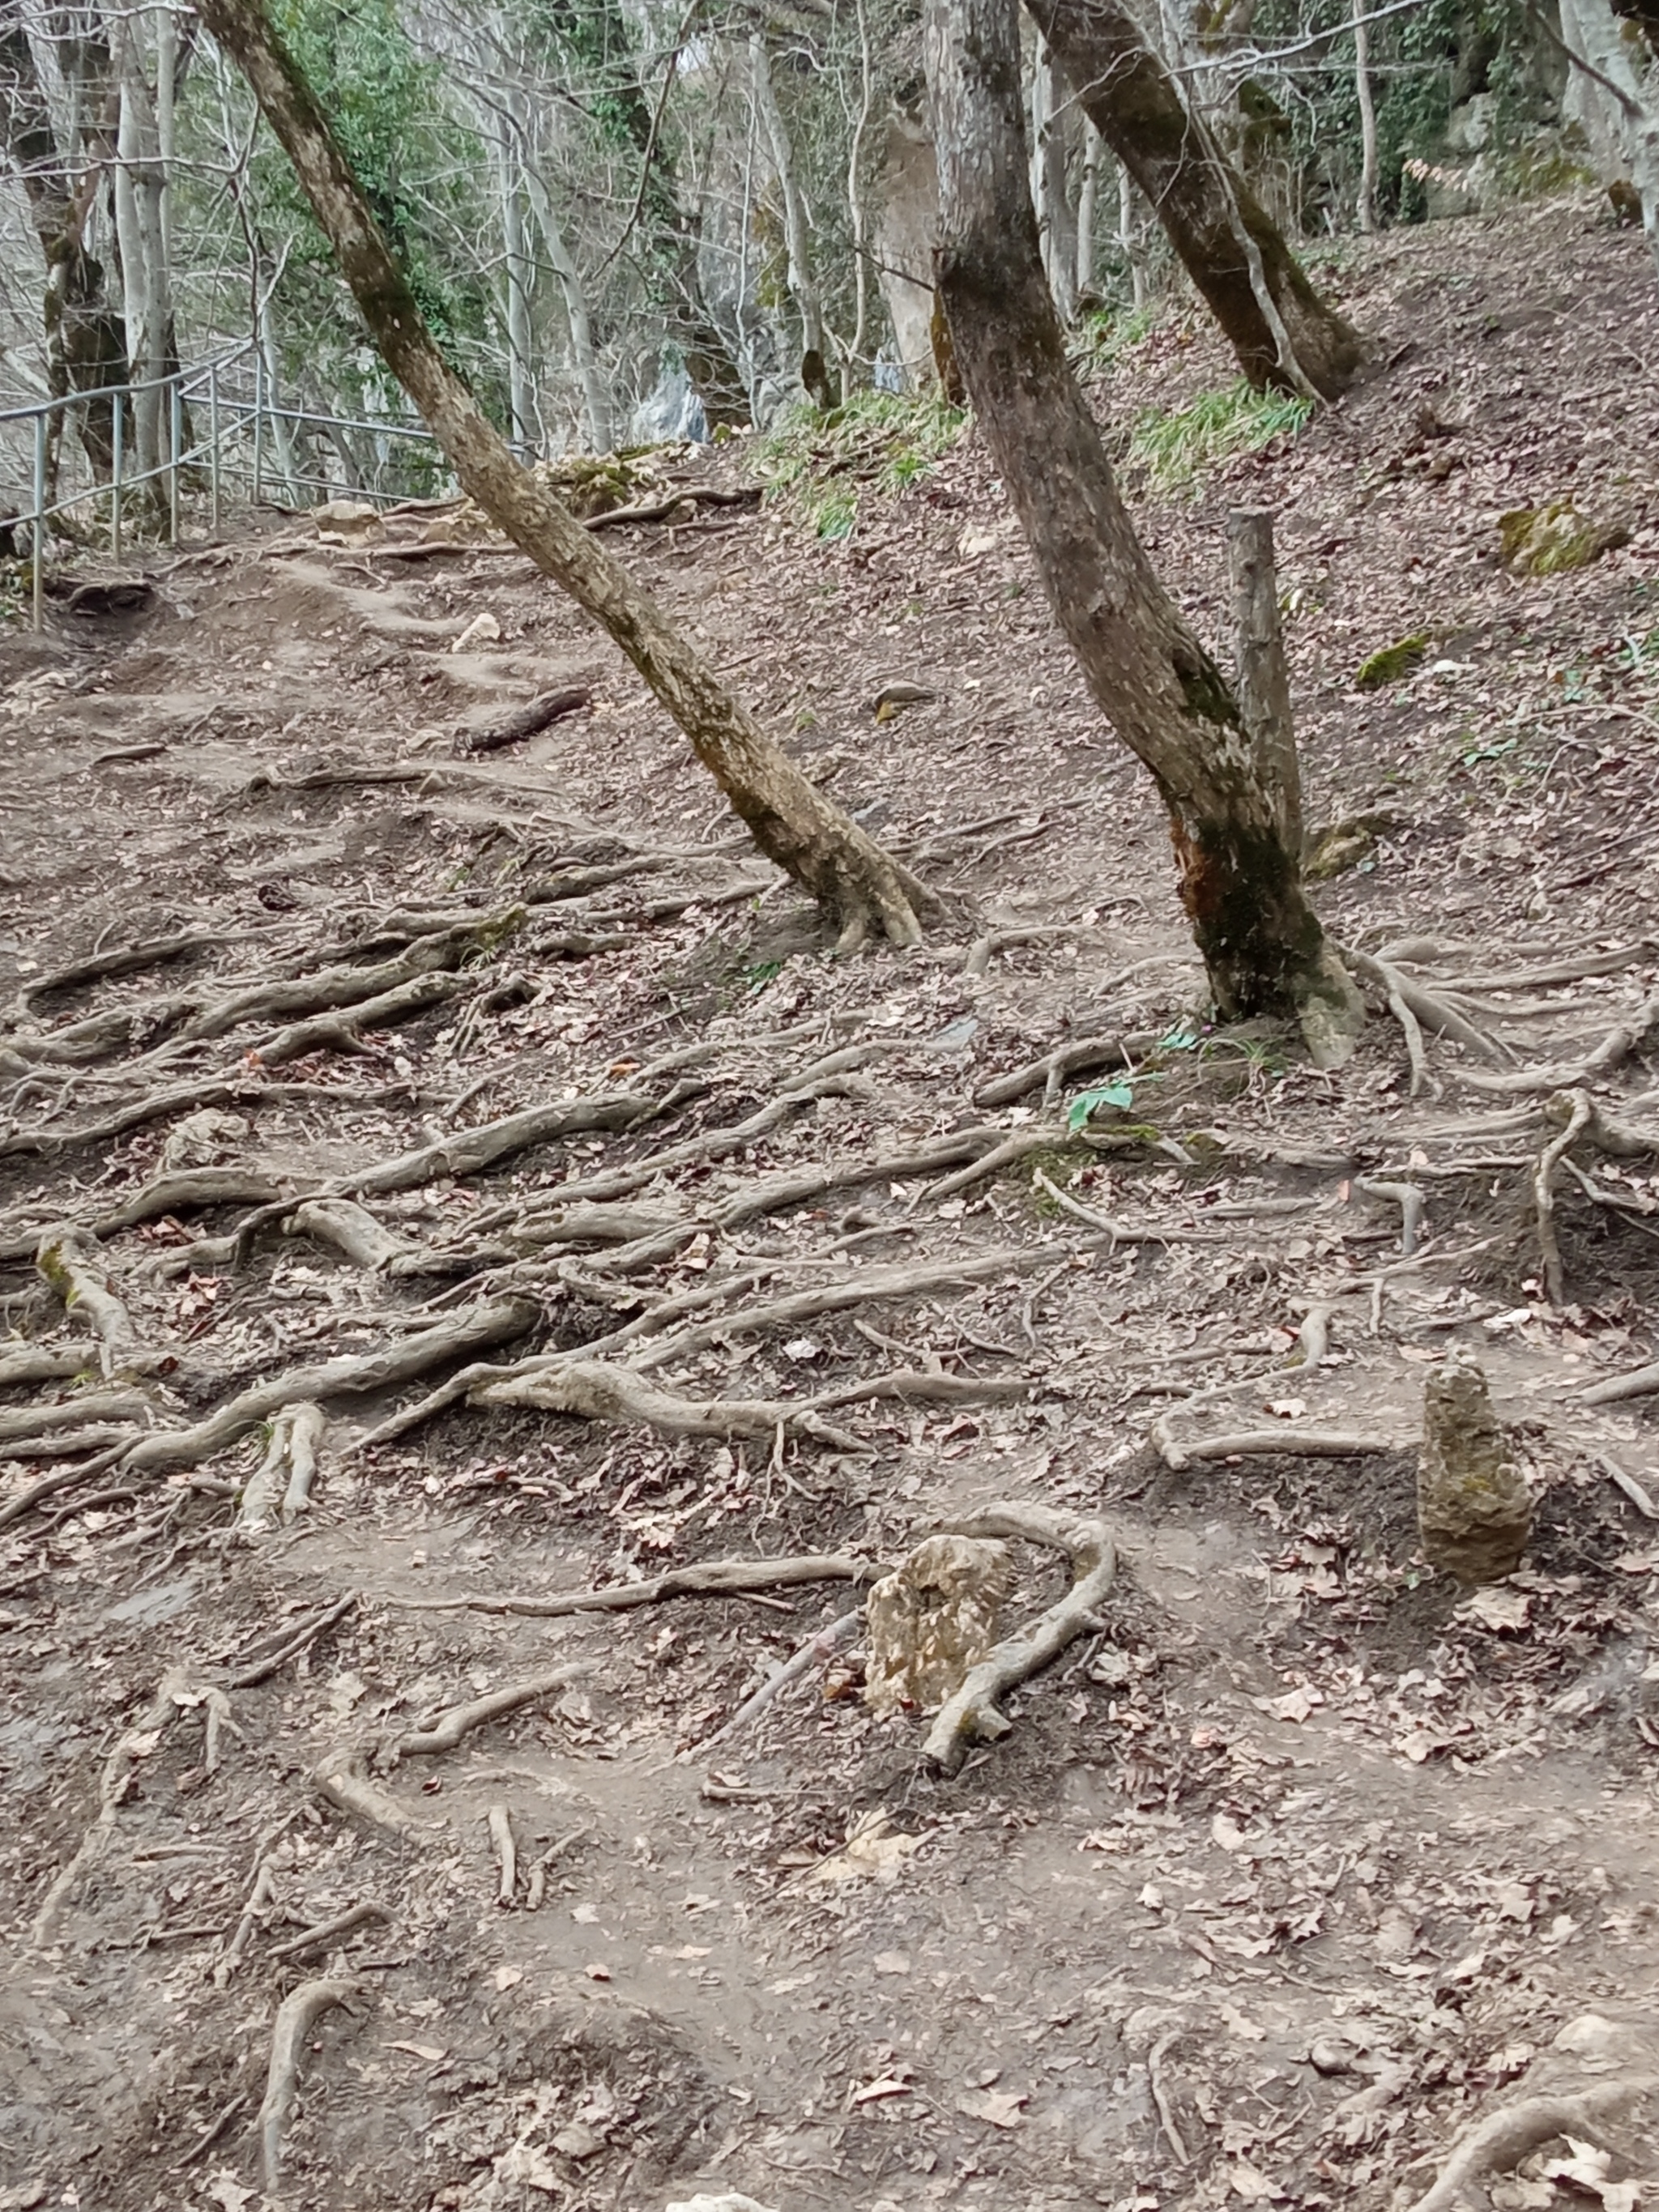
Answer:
x=1174 y=448
x=1084 y=1106
x=1108 y=332
x=888 y=441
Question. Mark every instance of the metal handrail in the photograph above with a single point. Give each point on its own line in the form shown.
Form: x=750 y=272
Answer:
x=231 y=416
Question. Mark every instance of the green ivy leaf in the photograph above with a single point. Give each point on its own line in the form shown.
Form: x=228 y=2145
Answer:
x=1086 y=1102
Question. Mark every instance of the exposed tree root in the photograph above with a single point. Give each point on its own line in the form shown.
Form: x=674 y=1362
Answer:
x=1408 y=1199
x=330 y=987
x=1047 y=1074
x=595 y=1391
x=1639 y=1383
x=179 y=1191
x=710 y=1579
x=72 y=1267
x=1625 y=1140
x=538 y=714
x=1011 y=1150
x=506 y=1851
x=449 y=1727
x=868 y=1286
x=340 y=1777
x=19 y=1424
x=329 y=1931
x=815 y=1648
x=54 y=1363
x=295 y=2018
x=471 y=1151
x=1543 y=1192
x=132 y=959
x=23 y=1502
x=280 y=1487
x=494 y=1322
x=659 y=510
x=777 y=1193
x=1614 y=1050
x=972 y=1715
x=1499 y=2143
x=343 y=1032
x=239 y=1090
x=351 y=1231
x=1429 y=1009
x=291 y=1643
x=135 y=1743
x=1305 y=1443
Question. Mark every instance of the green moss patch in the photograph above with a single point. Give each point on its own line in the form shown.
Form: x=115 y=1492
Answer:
x=1393 y=662
x=1549 y=540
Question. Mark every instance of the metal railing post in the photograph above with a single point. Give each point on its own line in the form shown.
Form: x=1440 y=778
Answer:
x=213 y=446
x=118 y=443
x=259 y=420
x=40 y=522
x=175 y=426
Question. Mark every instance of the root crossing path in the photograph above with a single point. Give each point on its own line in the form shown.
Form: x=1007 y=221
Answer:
x=486 y=1294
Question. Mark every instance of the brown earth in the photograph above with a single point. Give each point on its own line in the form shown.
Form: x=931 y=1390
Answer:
x=1300 y=1859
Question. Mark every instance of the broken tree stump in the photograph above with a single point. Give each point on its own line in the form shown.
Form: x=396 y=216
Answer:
x=1474 y=1509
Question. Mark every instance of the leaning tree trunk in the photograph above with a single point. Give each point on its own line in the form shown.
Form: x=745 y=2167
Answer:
x=791 y=821
x=1282 y=332
x=1239 y=869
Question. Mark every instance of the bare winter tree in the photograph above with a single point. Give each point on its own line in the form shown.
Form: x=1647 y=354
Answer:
x=1282 y=332
x=1221 y=774
x=791 y=821
x=86 y=346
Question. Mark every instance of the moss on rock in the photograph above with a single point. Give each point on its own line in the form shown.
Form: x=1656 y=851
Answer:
x=1393 y=662
x=1549 y=540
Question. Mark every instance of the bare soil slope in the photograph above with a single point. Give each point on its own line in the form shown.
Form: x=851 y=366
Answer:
x=353 y=1065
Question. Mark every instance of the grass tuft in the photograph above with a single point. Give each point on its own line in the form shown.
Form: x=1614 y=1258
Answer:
x=1174 y=448
x=884 y=442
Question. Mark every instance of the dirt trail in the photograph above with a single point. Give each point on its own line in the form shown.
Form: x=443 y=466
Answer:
x=1298 y=1860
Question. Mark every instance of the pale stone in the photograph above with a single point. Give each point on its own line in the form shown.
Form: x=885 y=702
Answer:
x=1474 y=1509
x=346 y=520
x=931 y=1620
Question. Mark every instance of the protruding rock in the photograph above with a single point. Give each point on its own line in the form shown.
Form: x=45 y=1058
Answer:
x=1474 y=1509
x=932 y=1619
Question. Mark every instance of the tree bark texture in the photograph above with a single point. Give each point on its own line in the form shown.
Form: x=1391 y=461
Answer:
x=1264 y=676
x=1284 y=334
x=1240 y=879
x=791 y=821
x=85 y=343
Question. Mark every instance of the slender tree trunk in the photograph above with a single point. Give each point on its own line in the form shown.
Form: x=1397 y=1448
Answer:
x=1050 y=185
x=1088 y=200
x=1264 y=676
x=85 y=346
x=791 y=821
x=516 y=272
x=596 y=398
x=1282 y=332
x=1366 y=210
x=855 y=199
x=803 y=283
x=1128 y=243
x=1240 y=878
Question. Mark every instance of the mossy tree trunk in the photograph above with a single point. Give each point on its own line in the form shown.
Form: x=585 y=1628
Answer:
x=1284 y=334
x=1239 y=871
x=791 y=821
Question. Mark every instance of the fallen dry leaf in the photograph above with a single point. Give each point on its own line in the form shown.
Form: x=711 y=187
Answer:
x=1000 y=2107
